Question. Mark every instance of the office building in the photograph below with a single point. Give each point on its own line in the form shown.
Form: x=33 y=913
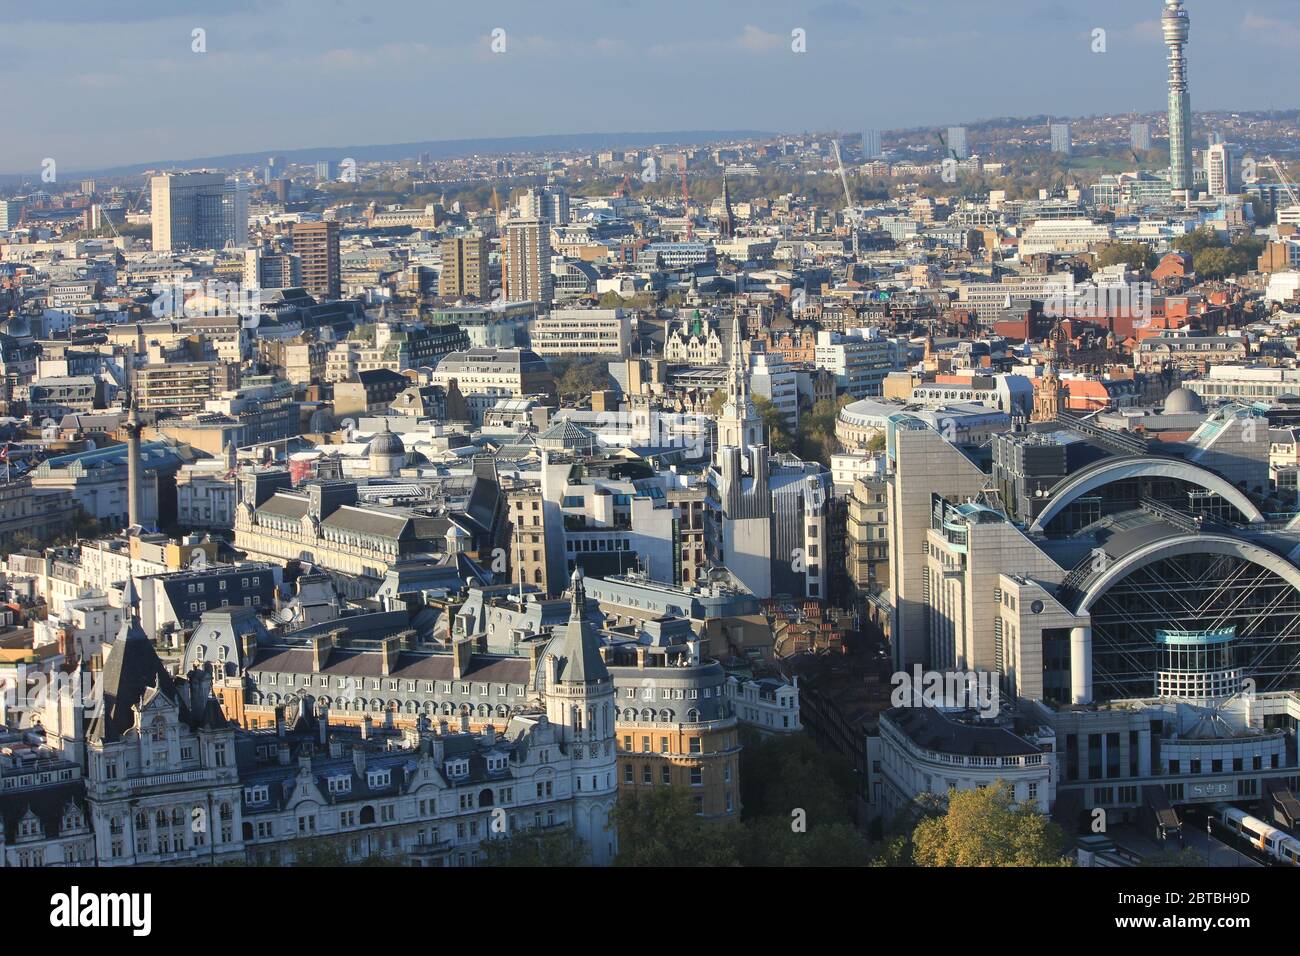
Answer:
x=1139 y=137
x=958 y=148
x=316 y=244
x=582 y=332
x=1220 y=171
x=871 y=145
x=1061 y=144
x=11 y=211
x=189 y=211
x=464 y=272
x=526 y=260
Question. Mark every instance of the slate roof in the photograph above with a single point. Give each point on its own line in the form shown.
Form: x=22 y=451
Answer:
x=48 y=803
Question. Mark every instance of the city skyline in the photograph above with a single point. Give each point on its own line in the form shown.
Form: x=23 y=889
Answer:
x=343 y=77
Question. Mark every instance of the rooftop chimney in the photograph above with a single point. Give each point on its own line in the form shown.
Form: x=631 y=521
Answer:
x=461 y=654
x=389 y=649
x=359 y=760
x=320 y=652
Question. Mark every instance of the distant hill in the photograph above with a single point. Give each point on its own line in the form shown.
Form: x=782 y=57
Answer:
x=438 y=149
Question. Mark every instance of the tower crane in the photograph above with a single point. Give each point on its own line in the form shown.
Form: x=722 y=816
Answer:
x=686 y=203
x=1281 y=177
x=852 y=215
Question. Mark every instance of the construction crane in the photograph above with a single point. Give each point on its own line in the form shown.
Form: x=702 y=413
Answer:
x=852 y=214
x=1286 y=183
x=686 y=203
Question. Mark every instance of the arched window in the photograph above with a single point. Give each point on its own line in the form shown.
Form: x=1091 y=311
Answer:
x=485 y=798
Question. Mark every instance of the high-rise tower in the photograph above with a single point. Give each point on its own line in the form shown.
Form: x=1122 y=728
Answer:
x=1176 y=25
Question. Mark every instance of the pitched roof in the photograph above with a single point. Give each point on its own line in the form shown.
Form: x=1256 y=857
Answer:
x=132 y=669
x=577 y=646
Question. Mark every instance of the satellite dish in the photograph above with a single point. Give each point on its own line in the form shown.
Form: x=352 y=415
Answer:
x=287 y=615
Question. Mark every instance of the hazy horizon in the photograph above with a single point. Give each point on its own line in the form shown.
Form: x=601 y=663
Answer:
x=118 y=84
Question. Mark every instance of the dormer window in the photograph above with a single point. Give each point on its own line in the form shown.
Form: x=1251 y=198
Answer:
x=30 y=826
x=340 y=784
x=497 y=763
x=379 y=778
x=254 y=795
x=458 y=768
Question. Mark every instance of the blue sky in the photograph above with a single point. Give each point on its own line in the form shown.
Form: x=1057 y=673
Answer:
x=96 y=83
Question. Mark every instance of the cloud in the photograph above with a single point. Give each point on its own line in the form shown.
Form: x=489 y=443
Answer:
x=756 y=40
x=1273 y=32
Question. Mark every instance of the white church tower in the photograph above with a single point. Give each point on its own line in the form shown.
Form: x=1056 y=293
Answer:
x=739 y=425
x=580 y=702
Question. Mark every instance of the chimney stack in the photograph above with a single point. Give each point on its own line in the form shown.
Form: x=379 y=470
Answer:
x=389 y=650
x=320 y=652
x=367 y=727
x=359 y=760
x=279 y=721
x=461 y=655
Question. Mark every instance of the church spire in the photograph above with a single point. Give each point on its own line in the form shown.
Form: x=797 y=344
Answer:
x=737 y=380
x=726 y=224
x=739 y=425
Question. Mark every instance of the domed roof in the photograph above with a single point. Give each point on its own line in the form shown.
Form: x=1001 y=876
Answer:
x=321 y=422
x=1182 y=401
x=386 y=443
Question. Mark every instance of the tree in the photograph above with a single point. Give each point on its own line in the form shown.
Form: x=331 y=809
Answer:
x=816 y=432
x=774 y=424
x=556 y=847
x=773 y=841
x=1193 y=242
x=781 y=774
x=986 y=827
x=333 y=851
x=660 y=827
x=1133 y=254
x=578 y=376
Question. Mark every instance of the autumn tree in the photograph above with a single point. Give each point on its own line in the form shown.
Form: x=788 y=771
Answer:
x=660 y=827
x=535 y=847
x=986 y=827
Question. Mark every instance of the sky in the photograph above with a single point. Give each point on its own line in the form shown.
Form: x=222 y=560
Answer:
x=97 y=83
